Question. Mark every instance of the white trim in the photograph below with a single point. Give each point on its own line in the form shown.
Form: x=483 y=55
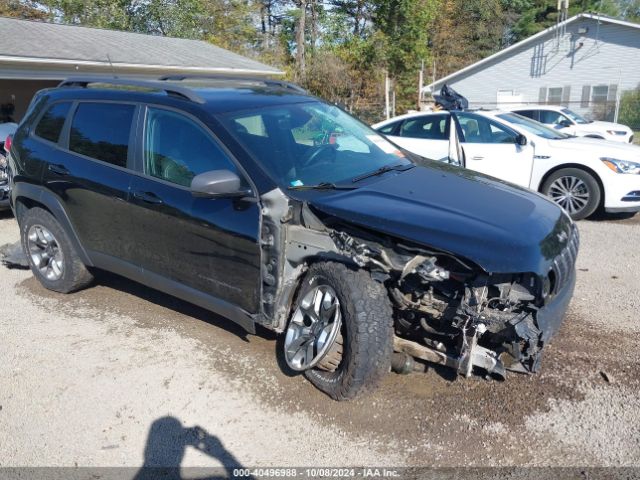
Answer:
x=429 y=88
x=137 y=66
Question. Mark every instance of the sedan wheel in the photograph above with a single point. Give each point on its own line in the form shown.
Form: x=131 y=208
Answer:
x=575 y=190
x=570 y=193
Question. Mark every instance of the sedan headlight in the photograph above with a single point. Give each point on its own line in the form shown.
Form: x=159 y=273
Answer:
x=616 y=132
x=621 y=166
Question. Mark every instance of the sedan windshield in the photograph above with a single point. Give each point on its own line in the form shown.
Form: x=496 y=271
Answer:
x=575 y=117
x=312 y=143
x=532 y=126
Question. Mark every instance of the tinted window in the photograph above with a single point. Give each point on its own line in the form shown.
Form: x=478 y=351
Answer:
x=550 y=117
x=432 y=127
x=101 y=131
x=51 y=123
x=177 y=149
x=479 y=129
x=390 y=129
x=526 y=113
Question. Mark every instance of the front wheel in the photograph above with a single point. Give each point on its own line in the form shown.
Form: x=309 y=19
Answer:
x=575 y=190
x=341 y=330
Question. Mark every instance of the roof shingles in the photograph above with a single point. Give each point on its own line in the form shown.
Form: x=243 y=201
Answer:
x=30 y=39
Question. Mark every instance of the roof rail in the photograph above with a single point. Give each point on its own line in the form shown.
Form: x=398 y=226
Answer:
x=169 y=89
x=266 y=81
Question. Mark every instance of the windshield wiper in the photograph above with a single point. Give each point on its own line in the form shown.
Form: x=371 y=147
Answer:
x=321 y=186
x=381 y=170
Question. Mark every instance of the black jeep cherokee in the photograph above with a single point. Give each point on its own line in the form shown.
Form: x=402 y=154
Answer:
x=266 y=205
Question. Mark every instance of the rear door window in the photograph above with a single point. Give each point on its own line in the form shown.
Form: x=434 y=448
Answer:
x=101 y=131
x=391 y=129
x=532 y=114
x=51 y=123
x=431 y=127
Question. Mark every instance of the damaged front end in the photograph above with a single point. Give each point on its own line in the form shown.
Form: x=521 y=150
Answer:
x=451 y=313
x=447 y=310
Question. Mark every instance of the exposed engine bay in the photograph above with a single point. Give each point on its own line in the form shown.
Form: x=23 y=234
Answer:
x=447 y=310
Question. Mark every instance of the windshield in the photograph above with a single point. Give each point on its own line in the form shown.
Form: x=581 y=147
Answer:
x=575 y=117
x=311 y=143
x=532 y=126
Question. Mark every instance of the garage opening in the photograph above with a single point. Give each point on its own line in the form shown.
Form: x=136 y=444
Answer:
x=16 y=94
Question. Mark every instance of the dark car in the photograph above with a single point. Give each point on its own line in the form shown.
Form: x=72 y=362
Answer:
x=6 y=131
x=268 y=206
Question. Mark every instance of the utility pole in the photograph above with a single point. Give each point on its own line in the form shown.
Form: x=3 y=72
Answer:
x=420 y=82
x=386 y=95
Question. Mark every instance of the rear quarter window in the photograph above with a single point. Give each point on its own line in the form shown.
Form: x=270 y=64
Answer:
x=101 y=131
x=51 y=123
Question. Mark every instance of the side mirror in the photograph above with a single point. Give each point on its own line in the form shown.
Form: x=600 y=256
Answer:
x=521 y=140
x=565 y=123
x=217 y=184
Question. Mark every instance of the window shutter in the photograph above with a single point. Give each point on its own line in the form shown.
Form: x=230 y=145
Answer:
x=542 y=97
x=586 y=95
x=566 y=95
x=612 y=94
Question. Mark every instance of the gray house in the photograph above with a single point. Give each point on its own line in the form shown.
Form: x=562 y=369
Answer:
x=35 y=55
x=584 y=63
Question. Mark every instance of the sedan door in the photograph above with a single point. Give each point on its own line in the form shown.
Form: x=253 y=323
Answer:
x=425 y=135
x=492 y=148
x=207 y=245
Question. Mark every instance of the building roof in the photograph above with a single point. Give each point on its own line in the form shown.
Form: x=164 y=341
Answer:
x=580 y=16
x=33 y=42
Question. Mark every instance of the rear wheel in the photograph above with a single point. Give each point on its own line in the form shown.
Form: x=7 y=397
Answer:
x=341 y=330
x=575 y=190
x=51 y=256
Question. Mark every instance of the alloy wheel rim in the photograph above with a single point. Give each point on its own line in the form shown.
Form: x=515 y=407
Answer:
x=45 y=252
x=313 y=328
x=570 y=193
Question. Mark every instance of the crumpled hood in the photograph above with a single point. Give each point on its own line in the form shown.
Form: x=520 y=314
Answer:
x=599 y=148
x=500 y=227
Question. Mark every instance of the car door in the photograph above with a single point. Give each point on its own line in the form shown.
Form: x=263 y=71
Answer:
x=425 y=135
x=209 y=245
x=89 y=172
x=491 y=148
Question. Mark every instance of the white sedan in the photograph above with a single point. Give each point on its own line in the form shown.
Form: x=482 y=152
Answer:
x=568 y=121
x=580 y=174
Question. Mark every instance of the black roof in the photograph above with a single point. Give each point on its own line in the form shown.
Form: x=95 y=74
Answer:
x=217 y=94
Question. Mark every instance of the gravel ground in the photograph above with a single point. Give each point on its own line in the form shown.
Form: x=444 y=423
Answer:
x=120 y=375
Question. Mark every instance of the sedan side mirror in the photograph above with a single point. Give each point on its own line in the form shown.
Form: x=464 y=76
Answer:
x=217 y=184
x=521 y=140
x=565 y=123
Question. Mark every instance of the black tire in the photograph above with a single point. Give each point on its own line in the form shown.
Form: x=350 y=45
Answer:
x=74 y=274
x=591 y=187
x=366 y=340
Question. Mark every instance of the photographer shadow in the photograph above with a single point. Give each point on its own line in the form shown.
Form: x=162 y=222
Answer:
x=167 y=444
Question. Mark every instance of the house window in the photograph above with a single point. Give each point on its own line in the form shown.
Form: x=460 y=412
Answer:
x=554 y=96
x=600 y=94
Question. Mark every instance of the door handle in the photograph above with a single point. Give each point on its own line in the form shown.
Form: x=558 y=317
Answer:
x=147 y=197
x=58 y=169
x=477 y=158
